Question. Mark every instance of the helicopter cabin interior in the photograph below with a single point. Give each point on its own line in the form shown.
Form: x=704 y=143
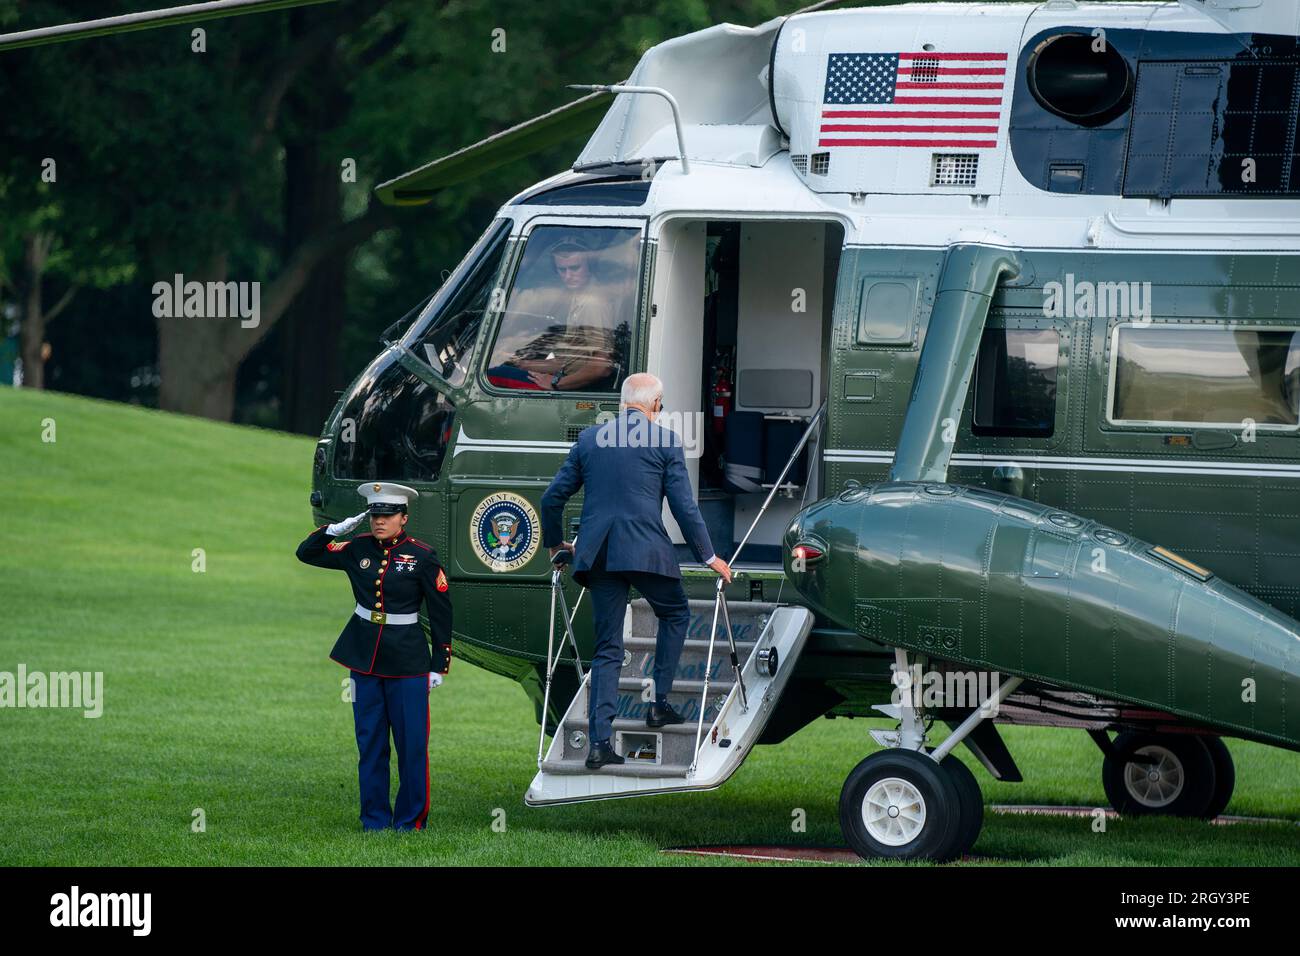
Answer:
x=739 y=328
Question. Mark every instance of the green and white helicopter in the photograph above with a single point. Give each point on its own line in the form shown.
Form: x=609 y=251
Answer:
x=982 y=324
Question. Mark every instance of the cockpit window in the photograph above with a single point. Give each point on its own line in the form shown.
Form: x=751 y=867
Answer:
x=567 y=324
x=394 y=426
x=445 y=333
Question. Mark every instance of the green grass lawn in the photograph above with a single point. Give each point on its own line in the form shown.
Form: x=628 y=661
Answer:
x=219 y=695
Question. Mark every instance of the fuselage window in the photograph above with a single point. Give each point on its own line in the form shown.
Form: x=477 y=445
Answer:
x=1206 y=376
x=1015 y=383
x=444 y=335
x=567 y=324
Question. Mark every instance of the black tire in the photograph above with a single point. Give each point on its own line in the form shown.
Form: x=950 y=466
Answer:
x=932 y=813
x=1185 y=781
x=1225 y=776
x=972 y=804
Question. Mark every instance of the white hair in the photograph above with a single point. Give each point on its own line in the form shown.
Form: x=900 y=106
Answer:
x=641 y=389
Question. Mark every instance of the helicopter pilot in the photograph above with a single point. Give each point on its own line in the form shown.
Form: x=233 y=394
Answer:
x=582 y=356
x=392 y=667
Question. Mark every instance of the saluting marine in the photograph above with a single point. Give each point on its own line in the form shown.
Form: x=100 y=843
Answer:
x=393 y=668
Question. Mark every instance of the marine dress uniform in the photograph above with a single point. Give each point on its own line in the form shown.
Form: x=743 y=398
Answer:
x=384 y=647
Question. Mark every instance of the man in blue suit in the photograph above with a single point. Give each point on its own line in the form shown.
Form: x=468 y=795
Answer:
x=627 y=467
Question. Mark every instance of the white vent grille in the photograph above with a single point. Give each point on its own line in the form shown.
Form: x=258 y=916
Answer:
x=800 y=163
x=925 y=69
x=954 y=169
x=821 y=163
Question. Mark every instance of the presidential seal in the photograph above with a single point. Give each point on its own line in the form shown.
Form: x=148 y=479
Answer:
x=504 y=531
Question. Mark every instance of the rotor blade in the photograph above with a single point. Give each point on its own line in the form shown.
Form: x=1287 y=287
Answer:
x=144 y=20
x=817 y=6
x=419 y=185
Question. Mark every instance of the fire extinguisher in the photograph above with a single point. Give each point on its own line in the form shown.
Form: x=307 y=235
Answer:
x=721 y=400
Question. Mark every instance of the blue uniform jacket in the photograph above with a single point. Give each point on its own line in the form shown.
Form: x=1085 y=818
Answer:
x=626 y=468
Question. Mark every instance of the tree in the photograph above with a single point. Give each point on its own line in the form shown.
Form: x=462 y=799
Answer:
x=217 y=156
x=36 y=255
x=189 y=126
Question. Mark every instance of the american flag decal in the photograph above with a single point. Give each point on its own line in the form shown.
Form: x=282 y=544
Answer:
x=913 y=99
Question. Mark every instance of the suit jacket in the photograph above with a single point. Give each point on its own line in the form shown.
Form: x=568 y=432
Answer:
x=394 y=576
x=626 y=467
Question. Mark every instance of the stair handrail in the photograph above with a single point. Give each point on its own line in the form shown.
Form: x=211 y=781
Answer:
x=720 y=602
x=562 y=557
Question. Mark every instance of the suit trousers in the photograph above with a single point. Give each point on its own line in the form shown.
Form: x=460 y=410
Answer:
x=609 y=593
x=399 y=705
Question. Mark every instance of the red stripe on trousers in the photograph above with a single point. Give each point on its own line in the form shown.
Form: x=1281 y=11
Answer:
x=419 y=824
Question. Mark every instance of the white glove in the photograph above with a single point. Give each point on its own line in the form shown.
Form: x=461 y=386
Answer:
x=435 y=680
x=346 y=525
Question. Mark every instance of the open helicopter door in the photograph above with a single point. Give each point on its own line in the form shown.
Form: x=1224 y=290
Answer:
x=740 y=334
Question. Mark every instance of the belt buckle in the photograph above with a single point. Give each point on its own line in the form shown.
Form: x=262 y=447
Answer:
x=378 y=617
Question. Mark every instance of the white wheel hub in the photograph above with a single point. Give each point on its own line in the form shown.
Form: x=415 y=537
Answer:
x=893 y=811
x=1157 y=784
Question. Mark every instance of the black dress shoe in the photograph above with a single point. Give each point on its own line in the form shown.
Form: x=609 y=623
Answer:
x=601 y=754
x=662 y=716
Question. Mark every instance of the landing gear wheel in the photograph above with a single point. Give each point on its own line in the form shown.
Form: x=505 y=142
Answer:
x=900 y=805
x=971 y=801
x=1225 y=776
x=1178 y=780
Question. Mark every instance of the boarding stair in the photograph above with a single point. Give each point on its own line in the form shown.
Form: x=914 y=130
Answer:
x=732 y=671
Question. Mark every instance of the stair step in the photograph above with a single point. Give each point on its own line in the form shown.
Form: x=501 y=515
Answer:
x=706 y=604
x=579 y=722
x=747 y=620
x=680 y=686
x=576 y=767
x=734 y=606
x=719 y=646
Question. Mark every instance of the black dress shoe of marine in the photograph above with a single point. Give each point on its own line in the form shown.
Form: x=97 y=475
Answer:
x=661 y=715
x=602 y=753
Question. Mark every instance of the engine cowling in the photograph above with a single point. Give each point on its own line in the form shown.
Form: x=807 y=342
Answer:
x=996 y=582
